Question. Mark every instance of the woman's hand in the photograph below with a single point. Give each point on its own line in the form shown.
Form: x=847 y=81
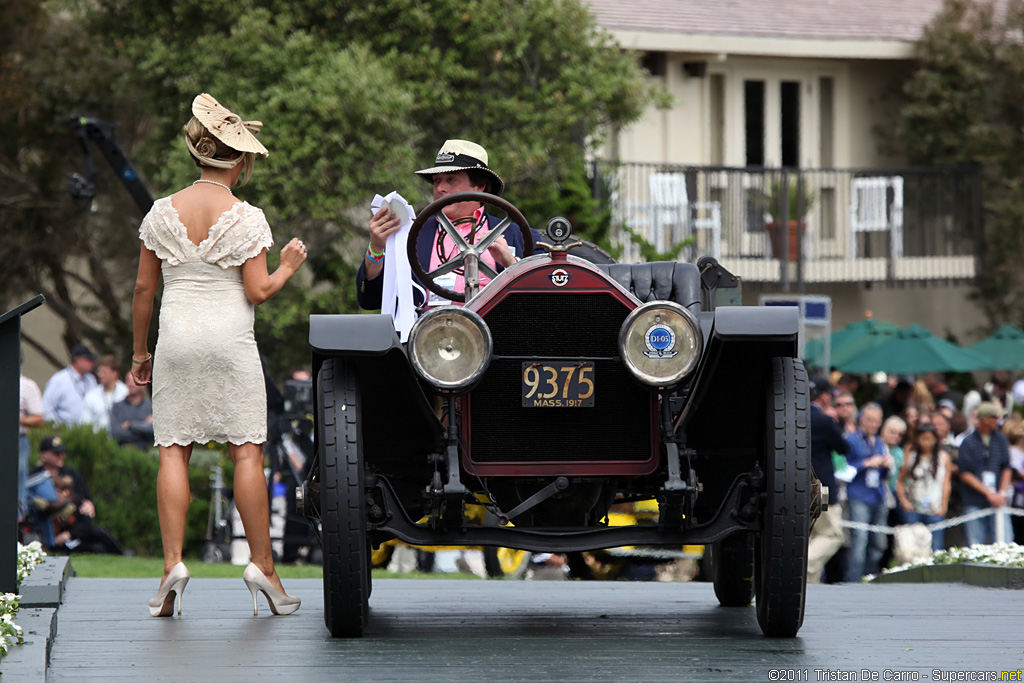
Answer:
x=383 y=224
x=142 y=373
x=293 y=255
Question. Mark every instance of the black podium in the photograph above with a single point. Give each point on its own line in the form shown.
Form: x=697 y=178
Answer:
x=10 y=389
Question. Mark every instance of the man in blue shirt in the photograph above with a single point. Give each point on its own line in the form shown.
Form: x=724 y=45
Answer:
x=866 y=494
x=985 y=475
x=64 y=395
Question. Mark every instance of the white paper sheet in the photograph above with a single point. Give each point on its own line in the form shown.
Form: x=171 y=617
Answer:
x=397 y=299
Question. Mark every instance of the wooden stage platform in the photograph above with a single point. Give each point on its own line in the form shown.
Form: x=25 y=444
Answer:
x=455 y=630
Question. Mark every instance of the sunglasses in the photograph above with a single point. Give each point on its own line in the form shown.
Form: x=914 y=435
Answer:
x=844 y=404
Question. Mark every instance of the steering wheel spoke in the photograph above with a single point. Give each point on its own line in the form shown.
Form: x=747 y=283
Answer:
x=447 y=267
x=453 y=233
x=492 y=235
x=486 y=269
x=429 y=279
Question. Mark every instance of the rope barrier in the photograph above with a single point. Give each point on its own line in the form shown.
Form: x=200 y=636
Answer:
x=944 y=524
x=667 y=554
x=653 y=553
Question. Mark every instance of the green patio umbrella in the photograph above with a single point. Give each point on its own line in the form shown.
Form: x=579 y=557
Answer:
x=1005 y=347
x=850 y=341
x=913 y=351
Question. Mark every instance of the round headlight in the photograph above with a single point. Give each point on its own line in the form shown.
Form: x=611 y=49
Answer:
x=450 y=348
x=660 y=342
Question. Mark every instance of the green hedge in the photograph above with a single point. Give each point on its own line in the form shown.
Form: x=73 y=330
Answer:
x=123 y=484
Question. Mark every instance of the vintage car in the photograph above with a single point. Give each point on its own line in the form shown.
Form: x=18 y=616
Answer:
x=560 y=389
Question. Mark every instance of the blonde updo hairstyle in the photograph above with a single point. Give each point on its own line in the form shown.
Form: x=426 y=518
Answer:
x=212 y=149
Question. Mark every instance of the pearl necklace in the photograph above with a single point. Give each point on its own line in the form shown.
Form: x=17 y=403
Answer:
x=214 y=182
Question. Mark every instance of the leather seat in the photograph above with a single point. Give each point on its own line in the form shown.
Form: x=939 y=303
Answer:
x=658 y=281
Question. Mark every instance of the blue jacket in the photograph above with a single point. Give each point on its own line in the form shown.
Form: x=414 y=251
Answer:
x=869 y=484
x=825 y=438
x=369 y=292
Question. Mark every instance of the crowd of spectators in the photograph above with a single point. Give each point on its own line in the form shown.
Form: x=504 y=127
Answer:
x=55 y=504
x=913 y=451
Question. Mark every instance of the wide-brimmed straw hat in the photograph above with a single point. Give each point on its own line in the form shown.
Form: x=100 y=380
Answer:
x=462 y=155
x=227 y=126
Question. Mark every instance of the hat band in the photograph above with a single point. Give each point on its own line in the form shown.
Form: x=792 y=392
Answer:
x=458 y=161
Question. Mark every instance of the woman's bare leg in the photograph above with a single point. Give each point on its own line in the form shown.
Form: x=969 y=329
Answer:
x=172 y=497
x=254 y=506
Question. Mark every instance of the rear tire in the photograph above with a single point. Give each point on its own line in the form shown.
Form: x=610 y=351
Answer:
x=342 y=499
x=732 y=569
x=780 y=579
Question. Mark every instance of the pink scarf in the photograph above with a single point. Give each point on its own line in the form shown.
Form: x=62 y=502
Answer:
x=450 y=250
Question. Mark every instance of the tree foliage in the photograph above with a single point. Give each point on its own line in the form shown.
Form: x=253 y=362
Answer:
x=354 y=97
x=965 y=106
x=50 y=245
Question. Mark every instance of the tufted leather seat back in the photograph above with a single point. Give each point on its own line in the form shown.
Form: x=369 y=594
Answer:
x=658 y=281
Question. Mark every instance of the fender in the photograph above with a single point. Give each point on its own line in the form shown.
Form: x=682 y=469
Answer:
x=390 y=392
x=355 y=335
x=777 y=324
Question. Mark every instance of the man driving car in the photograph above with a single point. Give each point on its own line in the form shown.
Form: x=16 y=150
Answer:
x=460 y=166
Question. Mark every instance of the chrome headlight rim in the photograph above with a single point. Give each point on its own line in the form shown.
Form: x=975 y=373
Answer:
x=683 y=372
x=424 y=324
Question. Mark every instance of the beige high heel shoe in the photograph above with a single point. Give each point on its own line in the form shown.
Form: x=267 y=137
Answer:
x=174 y=585
x=280 y=602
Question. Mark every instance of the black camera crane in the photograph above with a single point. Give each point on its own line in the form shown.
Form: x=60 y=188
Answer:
x=91 y=131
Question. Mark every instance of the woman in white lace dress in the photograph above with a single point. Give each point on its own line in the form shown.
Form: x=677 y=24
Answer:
x=211 y=250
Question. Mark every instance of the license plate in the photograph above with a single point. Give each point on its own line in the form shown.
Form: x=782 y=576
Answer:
x=558 y=384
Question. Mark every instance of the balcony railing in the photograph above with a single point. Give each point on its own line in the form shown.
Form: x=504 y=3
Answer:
x=824 y=225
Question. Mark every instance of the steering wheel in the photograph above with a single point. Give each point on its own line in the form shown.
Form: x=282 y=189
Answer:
x=469 y=252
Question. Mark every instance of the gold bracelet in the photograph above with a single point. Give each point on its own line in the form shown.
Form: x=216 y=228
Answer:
x=136 y=361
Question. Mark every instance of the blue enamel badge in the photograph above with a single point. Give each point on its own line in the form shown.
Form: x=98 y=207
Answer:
x=660 y=341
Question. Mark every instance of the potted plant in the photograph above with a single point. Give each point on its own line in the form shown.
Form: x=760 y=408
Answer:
x=798 y=198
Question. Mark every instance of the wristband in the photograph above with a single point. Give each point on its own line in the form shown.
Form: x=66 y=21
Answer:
x=376 y=258
x=136 y=361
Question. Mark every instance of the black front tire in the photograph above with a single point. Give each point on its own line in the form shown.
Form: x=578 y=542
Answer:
x=780 y=580
x=731 y=563
x=342 y=500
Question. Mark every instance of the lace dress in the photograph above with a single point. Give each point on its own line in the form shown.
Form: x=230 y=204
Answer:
x=207 y=377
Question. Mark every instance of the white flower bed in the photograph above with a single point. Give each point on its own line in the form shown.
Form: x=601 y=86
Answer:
x=10 y=633
x=1002 y=554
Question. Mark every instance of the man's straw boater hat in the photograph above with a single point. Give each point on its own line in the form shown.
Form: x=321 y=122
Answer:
x=227 y=127
x=462 y=155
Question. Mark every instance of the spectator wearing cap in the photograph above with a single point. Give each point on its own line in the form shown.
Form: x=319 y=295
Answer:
x=460 y=166
x=867 y=493
x=100 y=399
x=985 y=475
x=30 y=414
x=64 y=395
x=826 y=437
x=42 y=496
x=73 y=523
